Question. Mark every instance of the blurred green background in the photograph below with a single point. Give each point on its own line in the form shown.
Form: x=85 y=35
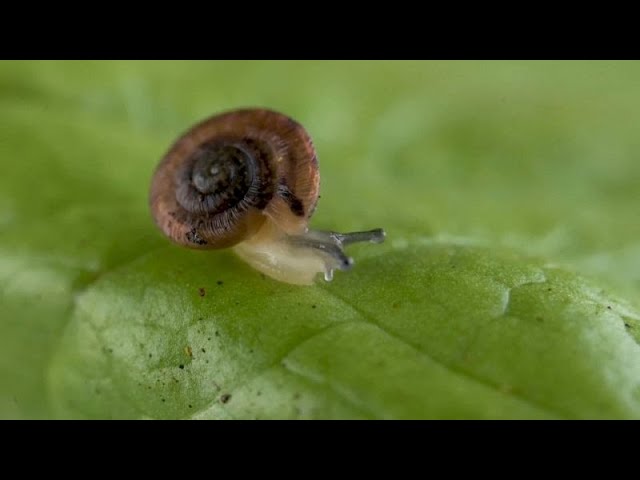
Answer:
x=541 y=157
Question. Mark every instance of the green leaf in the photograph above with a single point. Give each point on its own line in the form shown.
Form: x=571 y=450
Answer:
x=507 y=287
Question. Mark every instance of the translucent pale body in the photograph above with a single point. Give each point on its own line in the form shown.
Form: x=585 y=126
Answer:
x=280 y=260
x=297 y=255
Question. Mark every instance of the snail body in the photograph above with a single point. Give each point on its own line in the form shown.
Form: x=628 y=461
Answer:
x=249 y=180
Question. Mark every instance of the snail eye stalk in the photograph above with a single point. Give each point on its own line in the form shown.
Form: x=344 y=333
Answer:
x=332 y=244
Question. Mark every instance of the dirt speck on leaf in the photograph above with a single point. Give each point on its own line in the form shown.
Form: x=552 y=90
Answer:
x=508 y=389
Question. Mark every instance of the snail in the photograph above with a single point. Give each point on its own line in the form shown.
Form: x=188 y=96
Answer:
x=248 y=180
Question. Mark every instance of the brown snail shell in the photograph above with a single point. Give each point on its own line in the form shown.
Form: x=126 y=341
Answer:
x=249 y=179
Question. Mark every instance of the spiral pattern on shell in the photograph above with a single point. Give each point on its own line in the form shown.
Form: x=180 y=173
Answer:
x=228 y=175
